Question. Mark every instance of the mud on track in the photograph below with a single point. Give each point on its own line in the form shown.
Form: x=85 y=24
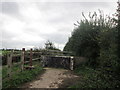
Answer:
x=53 y=78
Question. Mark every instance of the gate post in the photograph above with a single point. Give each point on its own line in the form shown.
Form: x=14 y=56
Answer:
x=9 y=63
x=31 y=57
x=43 y=61
x=22 y=58
x=71 y=63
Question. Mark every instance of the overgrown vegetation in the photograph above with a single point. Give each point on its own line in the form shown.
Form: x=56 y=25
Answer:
x=17 y=78
x=97 y=38
x=94 y=78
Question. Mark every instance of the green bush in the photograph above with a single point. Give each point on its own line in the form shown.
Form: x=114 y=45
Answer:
x=98 y=38
x=91 y=78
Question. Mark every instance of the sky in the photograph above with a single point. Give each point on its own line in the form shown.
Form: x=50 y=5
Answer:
x=29 y=24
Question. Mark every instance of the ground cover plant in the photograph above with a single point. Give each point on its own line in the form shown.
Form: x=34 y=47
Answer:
x=20 y=77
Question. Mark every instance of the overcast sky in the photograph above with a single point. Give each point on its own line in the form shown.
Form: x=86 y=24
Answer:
x=31 y=24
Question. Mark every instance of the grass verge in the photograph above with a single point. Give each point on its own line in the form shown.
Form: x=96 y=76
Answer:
x=19 y=78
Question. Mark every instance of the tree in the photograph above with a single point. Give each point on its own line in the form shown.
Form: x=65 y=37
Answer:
x=90 y=36
x=118 y=27
x=50 y=46
x=98 y=38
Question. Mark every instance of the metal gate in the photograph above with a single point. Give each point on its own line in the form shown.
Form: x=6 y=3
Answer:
x=65 y=62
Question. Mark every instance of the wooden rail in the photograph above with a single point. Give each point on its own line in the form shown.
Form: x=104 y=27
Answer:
x=23 y=54
x=22 y=61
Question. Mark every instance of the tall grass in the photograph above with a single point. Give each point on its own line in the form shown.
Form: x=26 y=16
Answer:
x=18 y=77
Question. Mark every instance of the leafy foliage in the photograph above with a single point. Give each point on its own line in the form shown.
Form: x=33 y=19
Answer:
x=90 y=35
x=91 y=78
x=97 y=38
x=50 y=46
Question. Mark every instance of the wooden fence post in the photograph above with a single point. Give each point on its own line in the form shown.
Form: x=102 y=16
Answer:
x=22 y=58
x=9 y=63
x=71 y=63
x=31 y=57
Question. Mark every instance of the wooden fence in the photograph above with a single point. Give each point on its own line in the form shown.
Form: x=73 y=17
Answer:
x=27 y=57
x=22 y=56
x=50 y=58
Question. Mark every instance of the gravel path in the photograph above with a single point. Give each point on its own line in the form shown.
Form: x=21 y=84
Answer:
x=52 y=78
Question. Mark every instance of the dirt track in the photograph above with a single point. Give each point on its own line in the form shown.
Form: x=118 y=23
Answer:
x=53 y=78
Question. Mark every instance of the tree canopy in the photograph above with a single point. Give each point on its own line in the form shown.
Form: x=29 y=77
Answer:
x=98 y=39
x=50 y=46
